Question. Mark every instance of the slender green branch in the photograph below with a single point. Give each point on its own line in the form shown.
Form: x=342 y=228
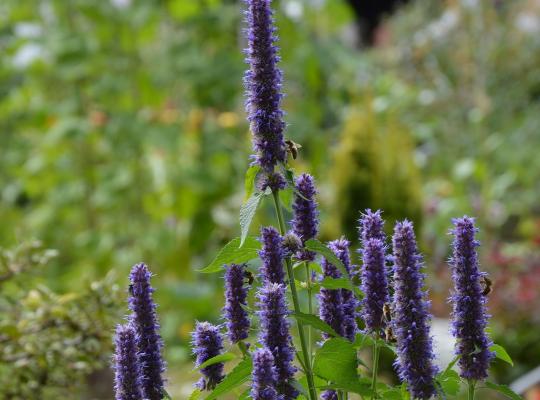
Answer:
x=243 y=348
x=296 y=304
x=376 y=352
x=310 y=310
x=470 y=395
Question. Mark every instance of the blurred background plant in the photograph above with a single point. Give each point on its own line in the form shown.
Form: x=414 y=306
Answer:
x=124 y=139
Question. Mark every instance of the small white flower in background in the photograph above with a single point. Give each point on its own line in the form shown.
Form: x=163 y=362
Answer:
x=121 y=3
x=528 y=23
x=294 y=9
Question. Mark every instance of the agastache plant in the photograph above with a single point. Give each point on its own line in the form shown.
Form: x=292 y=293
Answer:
x=145 y=322
x=411 y=316
x=127 y=385
x=469 y=315
x=276 y=365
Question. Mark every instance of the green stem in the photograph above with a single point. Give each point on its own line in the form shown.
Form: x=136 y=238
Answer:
x=243 y=348
x=296 y=304
x=376 y=352
x=472 y=385
x=310 y=310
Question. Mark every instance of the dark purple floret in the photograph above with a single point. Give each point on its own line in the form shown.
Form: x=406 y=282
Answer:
x=374 y=285
x=145 y=322
x=126 y=366
x=273 y=180
x=272 y=255
x=305 y=222
x=274 y=335
x=349 y=303
x=411 y=316
x=470 y=314
x=371 y=226
x=207 y=343
x=263 y=82
x=236 y=294
x=329 y=395
x=264 y=376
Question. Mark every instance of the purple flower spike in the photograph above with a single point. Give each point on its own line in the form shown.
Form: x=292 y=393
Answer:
x=411 y=316
x=274 y=180
x=305 y=221
x=272 y=254
x=207 y=343
x=275 y=335
x=470 y=315
x=329 y=395
x=374 y=285
x=264 y=376
x=263 y=82
x=235 y=302
x=371 y=226
x=126 y=366
x=349 y=303
x=145 y=322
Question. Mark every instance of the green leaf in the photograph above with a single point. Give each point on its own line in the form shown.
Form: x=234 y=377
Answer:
x=318 y=247
x=449 y=382
x=195 y=395
x=249 y=181
x=336 y=362
x=405 y=395
x=220 y=358
x=239 y=375
x=247 y=212
x=501 y=353
x=168 y=396
x=504 y=390
x=233 y=253
x=315 y=322
x=391 y=394
x=336 y=283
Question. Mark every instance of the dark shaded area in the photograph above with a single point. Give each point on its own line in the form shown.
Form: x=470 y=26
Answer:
x=370 y=14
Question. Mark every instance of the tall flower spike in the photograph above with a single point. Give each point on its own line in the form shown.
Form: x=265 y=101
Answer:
x=272 y=254
x=411 y=316
x=470 y=315
x=374 y=285
x=349 y=303
x=371 y=226
x=235 y=302
x=126 y=366
x=264 y=376
x=305 y=222
x=145 y=322
x=207 y=343
x=275 y=335
x=263 y=82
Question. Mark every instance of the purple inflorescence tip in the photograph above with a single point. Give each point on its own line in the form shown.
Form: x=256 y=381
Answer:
x=329 y=395
x=145 y=322
x=126 y=366
x=411 y=316
x=374 y=285
x=371 y=226
x=275 y=335
x=470 y=314
x=207 y=343
x=263 y=82
x=235 y=302
x=337 y=307
x=273 y=180
x=264 y=376
x=305 y=222
x=272 y=255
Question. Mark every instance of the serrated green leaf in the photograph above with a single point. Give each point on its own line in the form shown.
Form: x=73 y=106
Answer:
x=501 y=354
x=239 y=375
x=504 y=390
x=220 y=358
x=449 y=382
x=247 y=212
x=249 y=181
x=233 y=253
x=336 y=283
x=336 y=362
x=318 y=247
x=315 y=322
x=391 y=394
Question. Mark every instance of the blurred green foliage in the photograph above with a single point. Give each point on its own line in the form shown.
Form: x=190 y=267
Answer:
x=50 y=342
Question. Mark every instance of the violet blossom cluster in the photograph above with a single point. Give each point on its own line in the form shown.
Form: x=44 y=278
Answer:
x=263 y=81
x=469 y=303
x=264 y=376
x=207 y=343
x=272 y=254
x=411 y=315
x=236 y=292
x=145 y=322
x=127 y=385
x=305 y=222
